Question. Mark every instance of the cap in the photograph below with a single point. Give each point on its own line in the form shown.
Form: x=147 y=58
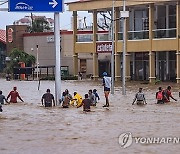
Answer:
x=104 y=74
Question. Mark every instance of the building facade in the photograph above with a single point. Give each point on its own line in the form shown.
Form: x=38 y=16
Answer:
x=2 y=49
x=153 y=39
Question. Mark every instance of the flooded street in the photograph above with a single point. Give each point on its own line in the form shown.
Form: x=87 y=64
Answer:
x=29 y=128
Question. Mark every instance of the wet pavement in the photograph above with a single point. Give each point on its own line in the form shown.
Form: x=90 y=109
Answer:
x=27 y=128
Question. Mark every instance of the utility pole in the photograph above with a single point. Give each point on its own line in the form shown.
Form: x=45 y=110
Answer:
x=58 y=58
x=124 y=15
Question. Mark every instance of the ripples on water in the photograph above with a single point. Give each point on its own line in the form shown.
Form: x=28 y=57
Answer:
x=29 y=128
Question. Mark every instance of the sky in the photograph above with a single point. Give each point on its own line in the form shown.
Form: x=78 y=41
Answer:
x=7 y=18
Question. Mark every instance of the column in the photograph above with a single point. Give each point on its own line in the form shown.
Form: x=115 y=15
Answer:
x=152 y=76
x=117 y=54
x=157 y=65
x=134 y=68
x=167 y=65
x=95 y=55
x=128 y=58
x=128 y=55
x=75 y=55
x=178 y=39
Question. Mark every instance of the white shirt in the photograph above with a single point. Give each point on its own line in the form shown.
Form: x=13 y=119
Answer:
x=107 y=81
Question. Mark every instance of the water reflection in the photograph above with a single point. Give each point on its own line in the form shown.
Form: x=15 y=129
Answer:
x=29 y=128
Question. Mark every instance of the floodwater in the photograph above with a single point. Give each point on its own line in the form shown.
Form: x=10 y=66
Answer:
x=29 y=128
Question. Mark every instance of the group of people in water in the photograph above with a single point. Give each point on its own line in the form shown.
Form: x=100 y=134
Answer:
x=90 y=99
x=162 y=96
x=13 y=95
x=68 y=100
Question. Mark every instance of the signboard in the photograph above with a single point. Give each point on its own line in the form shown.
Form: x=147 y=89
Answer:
x=104 y=47
x=35 y=5
x=10 y=35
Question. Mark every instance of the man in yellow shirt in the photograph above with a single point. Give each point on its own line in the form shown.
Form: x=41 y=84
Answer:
x=77 y=99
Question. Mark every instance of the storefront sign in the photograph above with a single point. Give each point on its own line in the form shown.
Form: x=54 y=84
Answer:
x=10 y=35
x=104 y=47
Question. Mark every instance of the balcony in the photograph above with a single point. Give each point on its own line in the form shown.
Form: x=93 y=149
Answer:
x=164 y=33
x=84 y=37
x=132 y=35
x=138 y=35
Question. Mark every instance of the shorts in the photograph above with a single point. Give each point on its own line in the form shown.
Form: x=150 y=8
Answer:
x=86 y=110
x=65 y=106
x=160 y=102
x=106 y=89
x=140 y=102
x=48 y=104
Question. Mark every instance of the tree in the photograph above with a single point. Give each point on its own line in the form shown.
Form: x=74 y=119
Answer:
x=17 y=56
x=39 y=25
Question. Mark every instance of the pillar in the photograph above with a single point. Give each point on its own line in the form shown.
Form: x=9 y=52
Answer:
x=128 y=58
x=167 y=65
x=128 y=55
x=95 y=55
x=152 y=76
x=117 y=54
x=134 y=65
x=75 y=55
x=157 y=65
x=178 y=40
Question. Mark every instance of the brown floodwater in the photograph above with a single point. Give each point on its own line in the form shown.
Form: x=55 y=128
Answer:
x=29 y=128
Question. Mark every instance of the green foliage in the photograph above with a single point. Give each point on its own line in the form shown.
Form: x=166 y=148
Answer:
x=39 y=25
x=17 y=56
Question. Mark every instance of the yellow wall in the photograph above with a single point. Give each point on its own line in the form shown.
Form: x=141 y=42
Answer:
x=84 y=47
x=137 y=46
x=164 y=45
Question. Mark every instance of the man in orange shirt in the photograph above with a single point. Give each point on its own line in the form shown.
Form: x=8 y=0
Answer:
x=14 y=95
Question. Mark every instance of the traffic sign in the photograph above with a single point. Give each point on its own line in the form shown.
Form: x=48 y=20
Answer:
x=35 y=5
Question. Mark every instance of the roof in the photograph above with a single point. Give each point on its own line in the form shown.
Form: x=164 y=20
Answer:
x=3 y=36
x=88 y=5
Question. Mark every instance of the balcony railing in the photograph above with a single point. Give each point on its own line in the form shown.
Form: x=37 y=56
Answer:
x=164 y=33
x=84 y=37
x=132 y=35
x=103 y=37
x=138 y=35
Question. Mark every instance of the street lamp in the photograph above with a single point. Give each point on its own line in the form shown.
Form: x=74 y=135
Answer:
x=37 y=61
x=124 y=15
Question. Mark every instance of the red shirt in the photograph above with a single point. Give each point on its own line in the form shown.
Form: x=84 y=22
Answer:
x=14 y=95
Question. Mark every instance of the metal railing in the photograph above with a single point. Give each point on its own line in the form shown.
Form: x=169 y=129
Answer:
x=84 y=37
x=164 y=33
x=138 y=35
x=103 y=37
x=132 y=35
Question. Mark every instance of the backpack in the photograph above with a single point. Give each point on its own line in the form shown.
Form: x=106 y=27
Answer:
x=160 y=95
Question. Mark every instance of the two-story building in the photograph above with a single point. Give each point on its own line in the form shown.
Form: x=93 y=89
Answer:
x=153 y=39
x=2 y=49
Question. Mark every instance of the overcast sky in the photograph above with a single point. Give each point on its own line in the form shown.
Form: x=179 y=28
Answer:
x=7 y=18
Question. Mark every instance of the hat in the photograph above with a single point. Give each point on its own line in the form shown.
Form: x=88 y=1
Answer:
x=94 y=90
x=104 y=74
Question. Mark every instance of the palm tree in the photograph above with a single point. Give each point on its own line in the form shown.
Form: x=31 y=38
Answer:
x=39 y=25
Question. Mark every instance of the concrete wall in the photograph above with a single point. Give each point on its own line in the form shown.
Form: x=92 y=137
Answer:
x=46 y=48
